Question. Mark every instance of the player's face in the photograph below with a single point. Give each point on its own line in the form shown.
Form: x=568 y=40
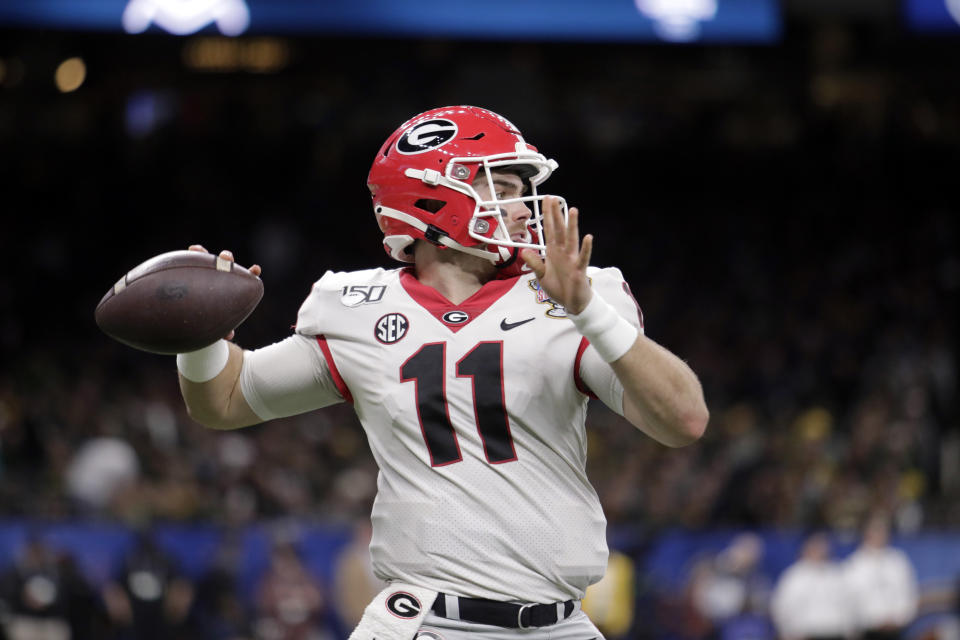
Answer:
x=506 y=186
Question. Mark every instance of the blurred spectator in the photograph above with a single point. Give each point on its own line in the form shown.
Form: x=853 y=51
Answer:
x=290 y=603
x=218 y=612
x=47 y=598
x=100 y=470
x=149 y=599
x=811 y=600
x=731 y=587
x=882 y=583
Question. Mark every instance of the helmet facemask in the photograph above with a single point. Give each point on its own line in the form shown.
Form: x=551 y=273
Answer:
x=489 y=221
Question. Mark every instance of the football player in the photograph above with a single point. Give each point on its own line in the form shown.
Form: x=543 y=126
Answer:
x=470 y=369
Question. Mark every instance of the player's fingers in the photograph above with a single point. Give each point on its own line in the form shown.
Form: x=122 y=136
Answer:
x=198 y=247
x=583 y=260
x=549 y=228
x=230 y=335
x=256 y=270
x=226 y=254
x=558 y=224
x=573 y=228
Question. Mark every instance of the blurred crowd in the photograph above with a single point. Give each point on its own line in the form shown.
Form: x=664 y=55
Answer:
x=871 y=593
x=823 y=587
x=44 y=596
x=786 y=219
x=831 y=377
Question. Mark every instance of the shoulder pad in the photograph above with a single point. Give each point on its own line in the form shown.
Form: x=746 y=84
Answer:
x=325 y=298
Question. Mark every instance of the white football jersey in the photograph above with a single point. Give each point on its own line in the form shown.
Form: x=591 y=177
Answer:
x=475 y=415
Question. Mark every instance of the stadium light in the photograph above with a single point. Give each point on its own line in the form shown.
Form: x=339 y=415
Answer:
x=675 y=21
x=70 y=75
x=953 y=6
x=183 y=17
x=678 y=20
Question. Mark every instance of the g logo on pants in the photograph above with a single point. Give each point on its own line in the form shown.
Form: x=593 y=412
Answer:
x=403 y=605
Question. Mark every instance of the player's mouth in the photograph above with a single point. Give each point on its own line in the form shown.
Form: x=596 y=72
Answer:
x=520 y=236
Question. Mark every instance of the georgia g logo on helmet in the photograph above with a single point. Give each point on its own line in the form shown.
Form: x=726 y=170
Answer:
x=427 y=135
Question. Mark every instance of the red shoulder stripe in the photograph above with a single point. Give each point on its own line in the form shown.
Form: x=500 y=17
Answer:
x=337 y=378
x=577 y=380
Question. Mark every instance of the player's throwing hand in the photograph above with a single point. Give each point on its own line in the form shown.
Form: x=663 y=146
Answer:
x=563 y=275
x=226 y=254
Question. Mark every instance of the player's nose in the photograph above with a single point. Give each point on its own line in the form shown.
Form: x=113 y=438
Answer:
x=518 y=211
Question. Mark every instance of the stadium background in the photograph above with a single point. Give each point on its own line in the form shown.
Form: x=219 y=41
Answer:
x=785 y=211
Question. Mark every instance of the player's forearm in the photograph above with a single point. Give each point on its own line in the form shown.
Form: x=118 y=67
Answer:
x=662 y=396
x=219 y=403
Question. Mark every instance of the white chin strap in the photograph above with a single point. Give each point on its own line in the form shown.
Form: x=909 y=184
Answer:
x=440 y=239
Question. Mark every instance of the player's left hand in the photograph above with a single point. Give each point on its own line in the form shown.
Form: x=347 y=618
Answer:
x=226 y=254
x=563 y=275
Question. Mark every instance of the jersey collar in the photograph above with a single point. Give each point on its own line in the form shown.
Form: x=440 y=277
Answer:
x=454 y=316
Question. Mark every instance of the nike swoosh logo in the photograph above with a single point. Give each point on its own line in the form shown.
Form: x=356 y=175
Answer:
x=506 y=326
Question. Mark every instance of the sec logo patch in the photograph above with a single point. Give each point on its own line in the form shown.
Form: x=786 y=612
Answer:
x=391 y=328
x=403 y=605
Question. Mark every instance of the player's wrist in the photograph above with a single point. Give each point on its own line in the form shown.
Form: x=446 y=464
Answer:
x=608 y=332
x=204 y=364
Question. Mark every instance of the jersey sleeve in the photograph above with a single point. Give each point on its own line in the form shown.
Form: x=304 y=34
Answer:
x=599 y=378
x=287 y=378
x=596 y=374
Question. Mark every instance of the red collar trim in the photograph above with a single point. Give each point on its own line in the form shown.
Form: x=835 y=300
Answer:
x=438 y=306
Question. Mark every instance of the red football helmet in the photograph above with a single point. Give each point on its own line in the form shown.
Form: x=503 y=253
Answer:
x=422 y=184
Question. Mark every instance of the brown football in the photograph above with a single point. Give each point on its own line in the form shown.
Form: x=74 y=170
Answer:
x=178 y=302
